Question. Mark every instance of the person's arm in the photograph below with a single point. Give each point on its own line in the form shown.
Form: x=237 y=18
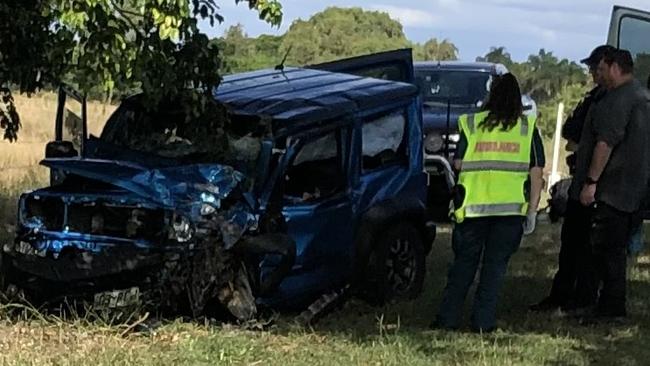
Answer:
x=536 y=186
x=599 y=159
x=535 y=177
x=536 y=172
x=461 y=148
x=609 y=127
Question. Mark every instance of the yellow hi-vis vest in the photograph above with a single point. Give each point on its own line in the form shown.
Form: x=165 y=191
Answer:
x=495 y=168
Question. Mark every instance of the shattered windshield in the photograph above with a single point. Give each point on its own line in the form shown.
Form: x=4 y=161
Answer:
x=460 y=88
x=172 y=132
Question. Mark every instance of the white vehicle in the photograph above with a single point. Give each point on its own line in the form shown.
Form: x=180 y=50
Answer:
x=630 y=29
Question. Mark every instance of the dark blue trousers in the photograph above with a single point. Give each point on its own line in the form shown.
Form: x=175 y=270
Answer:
x=496 y=238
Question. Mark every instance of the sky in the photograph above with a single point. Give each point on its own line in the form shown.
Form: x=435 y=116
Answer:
x=568 y=28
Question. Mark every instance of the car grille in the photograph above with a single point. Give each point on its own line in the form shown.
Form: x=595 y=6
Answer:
x=96 y=218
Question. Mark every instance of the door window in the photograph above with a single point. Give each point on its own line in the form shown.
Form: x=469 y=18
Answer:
x=633 y=36
x=384 y=141
x=317 y=171
x=72 y=123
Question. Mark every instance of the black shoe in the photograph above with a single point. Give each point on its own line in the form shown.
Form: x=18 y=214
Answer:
x=546 y=305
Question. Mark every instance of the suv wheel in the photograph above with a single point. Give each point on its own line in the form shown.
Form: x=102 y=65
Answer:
x=396 y=266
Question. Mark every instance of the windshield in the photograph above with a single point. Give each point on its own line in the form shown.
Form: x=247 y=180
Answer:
x=170 y=132
x=460 y=88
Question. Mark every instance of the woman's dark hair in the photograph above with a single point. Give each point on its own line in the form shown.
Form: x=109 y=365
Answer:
x=503 y=104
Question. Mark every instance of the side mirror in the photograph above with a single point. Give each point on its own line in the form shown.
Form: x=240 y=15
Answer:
x=60 y=149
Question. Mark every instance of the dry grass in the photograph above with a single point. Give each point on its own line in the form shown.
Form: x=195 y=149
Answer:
x=19 y=160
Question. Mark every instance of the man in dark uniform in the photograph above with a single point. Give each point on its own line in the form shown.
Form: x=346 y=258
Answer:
x=612 y=175
x=572 y=287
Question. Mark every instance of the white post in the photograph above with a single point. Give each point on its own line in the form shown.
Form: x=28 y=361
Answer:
x=555 y=176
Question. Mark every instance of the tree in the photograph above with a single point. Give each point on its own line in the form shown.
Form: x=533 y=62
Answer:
x=497 y=55
x=154 y=43
x=434 y=50
x=241 y=53
x=341 y=32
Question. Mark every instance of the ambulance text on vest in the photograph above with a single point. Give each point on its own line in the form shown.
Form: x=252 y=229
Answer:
x=494 y=146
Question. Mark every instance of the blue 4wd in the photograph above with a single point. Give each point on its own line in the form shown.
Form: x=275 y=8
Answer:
x=314 y=181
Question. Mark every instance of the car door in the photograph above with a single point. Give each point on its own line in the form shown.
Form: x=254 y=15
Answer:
x=630 y=29
x=394 y=65
x=71 y=118
x=318 y=210
x=70 y=130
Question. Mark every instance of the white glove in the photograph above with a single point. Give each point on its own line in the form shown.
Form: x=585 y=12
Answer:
x=530 y=222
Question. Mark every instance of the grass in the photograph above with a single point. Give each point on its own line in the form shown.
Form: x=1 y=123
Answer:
x=357 y=334
x=19 y=160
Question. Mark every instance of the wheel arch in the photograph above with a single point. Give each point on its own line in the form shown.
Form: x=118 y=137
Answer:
x=380 y=217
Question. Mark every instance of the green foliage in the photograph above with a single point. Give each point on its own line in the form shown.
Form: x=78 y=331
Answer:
x=155 y=45
x=242 y=53
x=341 y=32
x=331 y=34
x=433 y=50
x=570 y=95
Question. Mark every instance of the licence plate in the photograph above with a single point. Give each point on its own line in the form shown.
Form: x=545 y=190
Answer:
x=117 y=298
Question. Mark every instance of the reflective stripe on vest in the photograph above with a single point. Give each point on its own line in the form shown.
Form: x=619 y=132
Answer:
x=504 y=166
x=495 y=209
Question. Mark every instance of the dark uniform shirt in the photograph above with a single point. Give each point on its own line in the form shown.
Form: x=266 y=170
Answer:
x=572 y=129
x=621 y=119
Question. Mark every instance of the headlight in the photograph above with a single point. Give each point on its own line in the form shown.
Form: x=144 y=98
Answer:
x=454 y=137
x=433 y=143
x=182 y=229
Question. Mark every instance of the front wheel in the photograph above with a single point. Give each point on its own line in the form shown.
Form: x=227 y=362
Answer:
x=396 y=266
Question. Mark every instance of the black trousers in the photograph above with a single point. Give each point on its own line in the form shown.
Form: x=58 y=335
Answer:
x=575 y=280
x=610 y=233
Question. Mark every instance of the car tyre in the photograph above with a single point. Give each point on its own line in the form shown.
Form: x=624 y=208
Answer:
x=396 y=265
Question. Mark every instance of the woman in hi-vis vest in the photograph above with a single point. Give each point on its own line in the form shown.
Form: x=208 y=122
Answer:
x=500 y=158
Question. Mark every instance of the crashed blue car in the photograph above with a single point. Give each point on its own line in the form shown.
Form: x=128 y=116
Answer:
x=299 y=182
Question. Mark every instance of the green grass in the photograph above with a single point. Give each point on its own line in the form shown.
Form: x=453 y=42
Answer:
x=357 y=334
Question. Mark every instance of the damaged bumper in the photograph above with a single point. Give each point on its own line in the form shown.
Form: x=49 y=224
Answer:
x=162 y=237
x=114 y=274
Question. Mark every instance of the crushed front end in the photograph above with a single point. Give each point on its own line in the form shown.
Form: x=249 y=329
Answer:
x=161 y=239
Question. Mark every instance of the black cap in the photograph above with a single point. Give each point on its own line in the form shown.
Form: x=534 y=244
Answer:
x=597 y=54
x=623 y=58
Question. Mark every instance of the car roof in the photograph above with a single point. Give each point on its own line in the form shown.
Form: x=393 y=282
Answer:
x=307 y=94
x=456 y=65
